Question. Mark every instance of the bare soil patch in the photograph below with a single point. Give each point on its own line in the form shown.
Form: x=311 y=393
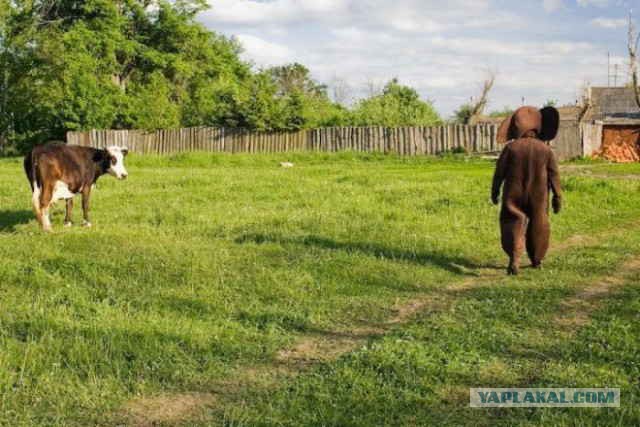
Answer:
x=578 y=309
x=167 y=409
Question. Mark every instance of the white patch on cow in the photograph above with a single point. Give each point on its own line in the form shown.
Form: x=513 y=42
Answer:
x=118 y=170
x=35 y=198
x=61 y=191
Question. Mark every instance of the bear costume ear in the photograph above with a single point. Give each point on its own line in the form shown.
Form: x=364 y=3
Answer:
x=526 y=119
x=506 y=131
x=550 y=124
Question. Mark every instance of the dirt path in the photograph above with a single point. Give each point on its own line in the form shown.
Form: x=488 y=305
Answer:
x=311 y=349
x=579 y=308
x=330 y=346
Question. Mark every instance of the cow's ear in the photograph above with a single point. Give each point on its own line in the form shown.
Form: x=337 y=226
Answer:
x=125 y=151
x=99 y=155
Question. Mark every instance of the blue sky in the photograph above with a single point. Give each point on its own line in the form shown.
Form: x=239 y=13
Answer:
x=539 y=49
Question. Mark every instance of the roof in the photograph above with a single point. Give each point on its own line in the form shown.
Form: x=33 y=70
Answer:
x=606 y=103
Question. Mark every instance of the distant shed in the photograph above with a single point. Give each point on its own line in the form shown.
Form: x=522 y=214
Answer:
x=611 y=124
x=568 y=143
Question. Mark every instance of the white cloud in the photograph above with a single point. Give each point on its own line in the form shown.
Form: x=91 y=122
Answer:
x=609 y=23
x=264 y=53
x=552 y=5
x=443 y=51
x=278 y=11
x=403 y=15
x=596 y=3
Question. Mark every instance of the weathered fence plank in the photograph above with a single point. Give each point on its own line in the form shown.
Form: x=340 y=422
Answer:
x=405 y=141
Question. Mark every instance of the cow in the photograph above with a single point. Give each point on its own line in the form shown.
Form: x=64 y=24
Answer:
x=57 y=171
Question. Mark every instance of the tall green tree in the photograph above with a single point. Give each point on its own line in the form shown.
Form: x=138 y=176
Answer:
x=4 y=73
x=70 y=64
x=305 y=102
x=148 y=64
x=397 y=105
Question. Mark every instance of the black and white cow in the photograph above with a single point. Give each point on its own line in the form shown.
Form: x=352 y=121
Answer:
x=59 y=171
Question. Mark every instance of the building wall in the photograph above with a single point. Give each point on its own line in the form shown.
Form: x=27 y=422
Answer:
x=568 y=143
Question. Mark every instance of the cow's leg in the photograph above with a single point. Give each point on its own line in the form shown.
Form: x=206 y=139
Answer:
x=35 y=200
x=86 y=194
x=46 y=199
x=67 y=218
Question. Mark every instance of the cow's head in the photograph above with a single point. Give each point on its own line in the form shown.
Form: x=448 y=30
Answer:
x=111 y=161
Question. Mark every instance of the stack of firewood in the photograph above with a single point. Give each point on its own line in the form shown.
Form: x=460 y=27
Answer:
x=620 y=150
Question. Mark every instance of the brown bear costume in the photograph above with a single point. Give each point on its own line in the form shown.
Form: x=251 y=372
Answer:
x=528 y=168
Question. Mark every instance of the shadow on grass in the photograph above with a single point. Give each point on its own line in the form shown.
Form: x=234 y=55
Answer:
x=10 y=219
x=455 y=264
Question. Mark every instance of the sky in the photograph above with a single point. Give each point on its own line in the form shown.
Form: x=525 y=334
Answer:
x=539 y=49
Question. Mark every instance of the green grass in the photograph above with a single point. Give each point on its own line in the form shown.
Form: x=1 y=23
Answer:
x=200 y=267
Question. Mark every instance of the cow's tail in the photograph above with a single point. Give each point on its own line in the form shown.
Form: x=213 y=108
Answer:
x=35 y=181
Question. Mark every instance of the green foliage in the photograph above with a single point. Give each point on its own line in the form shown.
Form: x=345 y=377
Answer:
x=304 y=102
x=70 y=65
x=397 y=105
x=462 y=115
x=116 y=64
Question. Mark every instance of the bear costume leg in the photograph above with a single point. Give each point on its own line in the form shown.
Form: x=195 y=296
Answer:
x=538 y=234
x=512 y=225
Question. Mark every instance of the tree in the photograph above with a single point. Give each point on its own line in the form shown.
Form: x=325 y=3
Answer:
x=4 y=73
x=479 y=106
x=149 y=64
x=463 y=114
x=468 y=112
x=397 y=105
x=296 y=78
x=146 y=64
x=305 y=102
x=341 y=91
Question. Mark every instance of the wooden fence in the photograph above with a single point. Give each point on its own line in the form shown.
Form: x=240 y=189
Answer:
x=409 y=141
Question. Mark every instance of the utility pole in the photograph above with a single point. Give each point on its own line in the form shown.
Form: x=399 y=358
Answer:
x=608 y=69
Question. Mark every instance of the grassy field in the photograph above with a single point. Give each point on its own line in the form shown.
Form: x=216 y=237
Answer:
x=349 y=290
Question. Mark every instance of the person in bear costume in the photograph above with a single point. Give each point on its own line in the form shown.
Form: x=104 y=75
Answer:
x=527 y=169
